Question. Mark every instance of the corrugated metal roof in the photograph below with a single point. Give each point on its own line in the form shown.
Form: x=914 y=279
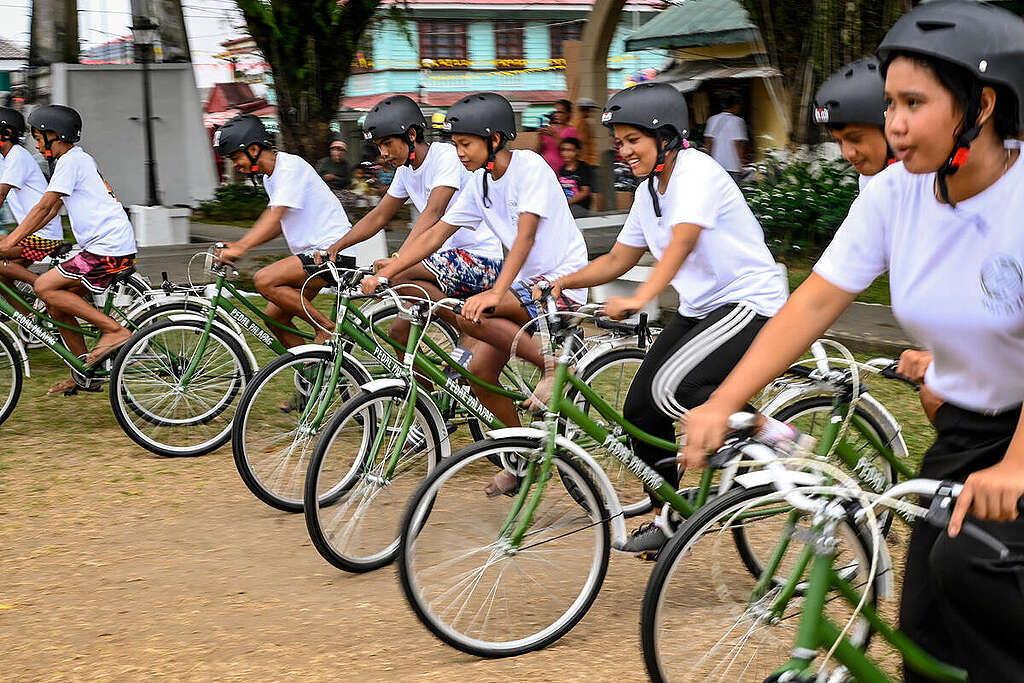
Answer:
x=9 y=50
x=695 y=23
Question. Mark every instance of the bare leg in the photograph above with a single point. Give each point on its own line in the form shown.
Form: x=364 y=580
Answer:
x=14 y=268
x=280 y=283
x=487 y=364
x=64 y=303
x=500 y=328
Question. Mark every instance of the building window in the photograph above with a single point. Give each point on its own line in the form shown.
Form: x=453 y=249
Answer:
x=559 y=34
x=508 y=45
x=443 y=45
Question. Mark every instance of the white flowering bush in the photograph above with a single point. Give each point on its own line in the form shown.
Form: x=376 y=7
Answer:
x=800 y=199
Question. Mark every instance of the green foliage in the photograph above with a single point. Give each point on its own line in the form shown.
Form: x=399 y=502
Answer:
x=801 y=201
x=235 y=202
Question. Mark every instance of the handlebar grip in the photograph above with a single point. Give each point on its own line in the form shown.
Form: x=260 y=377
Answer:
x=457 y=309
x=722 y=457
x=489 y=310
x=890 y=373
x=219 y=245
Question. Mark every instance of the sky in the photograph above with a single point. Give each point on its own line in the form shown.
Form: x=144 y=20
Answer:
x=208 y=22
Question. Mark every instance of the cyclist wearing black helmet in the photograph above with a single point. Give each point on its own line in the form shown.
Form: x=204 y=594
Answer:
x=517 y=196
x=301 y=206
x=430 y=176
x=945 y=223
x=100 y=226
x=851 y=105
x=22 y=184
x=692 y=217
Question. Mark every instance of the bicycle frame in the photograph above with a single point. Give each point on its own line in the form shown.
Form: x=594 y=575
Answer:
x=816 y=631
x=32 y=323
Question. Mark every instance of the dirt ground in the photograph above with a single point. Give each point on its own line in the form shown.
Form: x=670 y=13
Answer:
x=118 y=564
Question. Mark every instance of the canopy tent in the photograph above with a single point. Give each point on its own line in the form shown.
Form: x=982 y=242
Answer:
x=696 y=23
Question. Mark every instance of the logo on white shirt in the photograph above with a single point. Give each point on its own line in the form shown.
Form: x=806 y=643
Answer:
x=1002 y=284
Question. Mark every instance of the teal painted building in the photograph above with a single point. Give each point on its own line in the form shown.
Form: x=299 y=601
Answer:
x=441 y=50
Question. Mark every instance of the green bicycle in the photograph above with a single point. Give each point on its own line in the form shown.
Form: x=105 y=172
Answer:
x=381 y=442
x=178 y=380
x=502 y=577
x=37 y=326
x=809 y=614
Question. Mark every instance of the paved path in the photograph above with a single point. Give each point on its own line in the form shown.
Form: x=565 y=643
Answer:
x=868 y=327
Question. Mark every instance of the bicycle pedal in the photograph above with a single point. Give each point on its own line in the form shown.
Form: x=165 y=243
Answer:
x=648 y=555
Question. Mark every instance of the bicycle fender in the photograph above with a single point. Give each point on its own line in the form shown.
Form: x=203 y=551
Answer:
x=22 y=353
x=303 y=348
x=165 y=299
x=428 y=403
x=195 y=317
x=611 y=500
x=602 y=348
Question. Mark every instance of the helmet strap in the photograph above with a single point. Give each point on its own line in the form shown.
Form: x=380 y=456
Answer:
x=659 y=164
x=254 y=168
x=961 y=149
x=492 y=154
x=412 y=149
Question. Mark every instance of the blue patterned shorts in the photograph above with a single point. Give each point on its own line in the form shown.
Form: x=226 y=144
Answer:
x=523 y=289
x=462 y=274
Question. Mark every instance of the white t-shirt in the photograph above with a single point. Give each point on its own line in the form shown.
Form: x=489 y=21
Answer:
x=527 y=186
x=98 y=220
x=19 y=170
x=726 y=129
x=315 y=218
x=730 y=263
x=863 y=180
x=441 y=168
x=956 y=277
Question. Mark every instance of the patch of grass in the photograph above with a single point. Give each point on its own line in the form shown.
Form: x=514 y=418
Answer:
x=799 y=270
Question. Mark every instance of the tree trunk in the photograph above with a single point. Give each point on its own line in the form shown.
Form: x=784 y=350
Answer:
x=309 y=47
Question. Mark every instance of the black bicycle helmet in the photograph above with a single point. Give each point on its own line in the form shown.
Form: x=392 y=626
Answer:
x=12 y=124
x=394 y=116
x=657 y=108
x=240 y=133
x=64 y=122
x=985 y=40
x=854 y=94
x=483 y=114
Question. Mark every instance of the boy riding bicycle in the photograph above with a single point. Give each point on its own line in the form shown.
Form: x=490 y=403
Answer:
x=301 y=206
x=22 y=184
x=431 y=176
x=100 y=226
x=517 y=196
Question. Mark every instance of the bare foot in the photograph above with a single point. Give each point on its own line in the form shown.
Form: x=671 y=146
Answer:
x=107 y=344
x=503 y=482
x=60 y=387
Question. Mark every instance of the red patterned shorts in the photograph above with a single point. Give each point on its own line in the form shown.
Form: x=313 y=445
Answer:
x=95 y=271
x=35 y=248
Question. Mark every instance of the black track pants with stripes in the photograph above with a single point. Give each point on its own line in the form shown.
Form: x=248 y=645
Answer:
x=690 y=358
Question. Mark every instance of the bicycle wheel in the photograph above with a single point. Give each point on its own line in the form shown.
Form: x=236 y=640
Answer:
x=153 y=405
x=276 y=424
x=610 y=376
x=11 y=377
x=876 y=472
x=701 y=620
x=354 y=499
x=465 y=581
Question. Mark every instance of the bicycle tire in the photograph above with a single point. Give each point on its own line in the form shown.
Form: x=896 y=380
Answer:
x=124 y=404
x=425 y=503
x=352 y=375
x=705 y=613
x=359 y=411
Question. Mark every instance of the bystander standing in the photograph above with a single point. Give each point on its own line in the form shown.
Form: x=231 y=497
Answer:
x=576 y=177
x=725 y=136
x=551 y=135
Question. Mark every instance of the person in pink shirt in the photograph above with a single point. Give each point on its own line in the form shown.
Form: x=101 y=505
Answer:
x=551 y=136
